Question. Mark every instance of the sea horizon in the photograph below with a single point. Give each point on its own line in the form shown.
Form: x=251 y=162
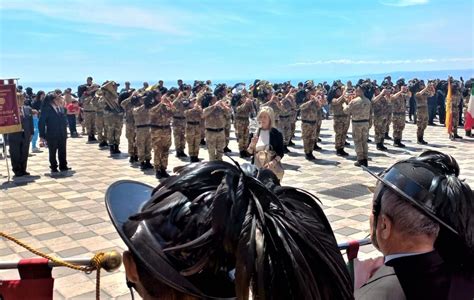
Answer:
x=137 y=83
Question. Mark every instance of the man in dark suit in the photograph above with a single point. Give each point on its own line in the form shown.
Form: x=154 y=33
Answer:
x=52 y=128
x=422 y=221
x=20 y=141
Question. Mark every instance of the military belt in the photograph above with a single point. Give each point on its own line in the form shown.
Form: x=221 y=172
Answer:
x=399 y=113
x=179 y=118
x=340 y=116
x=143 y=126
x=85 y=110
x=360 y=121
x=284 y=117
x=309 y=122
x=194 y=123
x=160 y=126
x=215 y=129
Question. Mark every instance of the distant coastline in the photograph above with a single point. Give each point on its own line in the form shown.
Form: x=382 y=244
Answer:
x=51 y=85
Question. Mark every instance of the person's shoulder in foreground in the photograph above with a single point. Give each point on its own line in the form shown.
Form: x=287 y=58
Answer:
x=423 y=222
x=215 y=231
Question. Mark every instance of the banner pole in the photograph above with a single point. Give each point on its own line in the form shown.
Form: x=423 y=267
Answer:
x=6 y=159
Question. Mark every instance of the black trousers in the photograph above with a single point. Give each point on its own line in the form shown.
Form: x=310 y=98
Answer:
x=412 y=108
x=19 y=149
x=432 y=113
x=57 y=146
x=71 y=120
x=442 y=113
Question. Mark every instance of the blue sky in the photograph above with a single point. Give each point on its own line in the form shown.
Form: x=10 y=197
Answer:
x=150 y=40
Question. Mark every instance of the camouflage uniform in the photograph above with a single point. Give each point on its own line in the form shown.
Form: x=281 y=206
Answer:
x=89 y=114
x=141 y=117
x=215 y=122
x=389 y=116
x=456 y=100
x=193 y=130
x=380 y=108
x=421 y=113
x=241 y=124
x=340 y=122
x=399 y=112
x=319 y=122
x=293 y=117
x=228 y=124
x=113 y=122
x=179 y=126
x=359 y=109
x=130 y=130
x=285 y=119
x=309 y=119
x=99 y=119
x=160 y=119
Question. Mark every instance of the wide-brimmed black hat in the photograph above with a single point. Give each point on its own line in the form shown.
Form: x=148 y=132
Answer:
x=127 y=198
x=430 y=183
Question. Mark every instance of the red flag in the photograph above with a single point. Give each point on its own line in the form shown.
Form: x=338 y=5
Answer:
x=9 y=114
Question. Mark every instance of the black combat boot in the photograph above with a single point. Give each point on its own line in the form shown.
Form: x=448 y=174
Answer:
x=158 y=174
x=194 y=159
x=290 y=143
x=398 y=143
x=103 y=144
x=380 y=146
x=148 y=165
x=359 y=163
x=131 y=159
x=365 y=163
x=421 y=141
x=468 y=133
x=135 y=157
x=90 y=138
x=285 y=149
x=310 y=156
x=387 y=136
x=369 y=140
x=164 y=174
x=203 y=142
x=319 y=140
x=180 y=153
x=346 y=144
x=112 y=149
x=143 y=166
x=116 y=149
x=244 y=154
x=341 y=152
x=316 y=147
x=456 y=136
x=227 y=150
x=93 y=138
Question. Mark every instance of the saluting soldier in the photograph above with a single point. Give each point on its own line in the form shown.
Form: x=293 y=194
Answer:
x=214 y=120
x=243 y=107
x=421 y=97
x=99 y=120
x=130 y=130
x=320 y=115
x=193 y=129
x=340 y=118
x=221 y=93
x=179 y=121
x=359 y=110
x=399 y=100
x=285 y=118
x=455 y=103
x=141 y=117
x=309 y=118
x=86 y=94
x=113 y=115
x=381 y=111
x=160 y=120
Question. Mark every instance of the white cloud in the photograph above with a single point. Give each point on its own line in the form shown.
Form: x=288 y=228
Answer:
x=383 y=62
x=164 y=19
x=403 y=3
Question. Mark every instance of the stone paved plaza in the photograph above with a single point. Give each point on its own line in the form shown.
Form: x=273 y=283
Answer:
x=67 y=216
